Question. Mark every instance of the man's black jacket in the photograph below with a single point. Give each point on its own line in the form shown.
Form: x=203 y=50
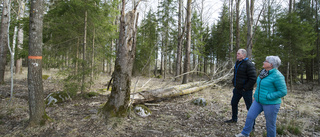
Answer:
x=245 y=75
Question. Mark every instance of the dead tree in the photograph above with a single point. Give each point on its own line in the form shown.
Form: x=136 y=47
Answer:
x=118 y=101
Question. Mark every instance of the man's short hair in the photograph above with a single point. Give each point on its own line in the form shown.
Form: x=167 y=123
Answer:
x=243 y=51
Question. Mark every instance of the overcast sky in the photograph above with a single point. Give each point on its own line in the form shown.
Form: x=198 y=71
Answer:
x=212 y=8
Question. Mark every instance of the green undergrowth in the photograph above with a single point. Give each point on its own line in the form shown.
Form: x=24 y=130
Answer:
x=291 y=126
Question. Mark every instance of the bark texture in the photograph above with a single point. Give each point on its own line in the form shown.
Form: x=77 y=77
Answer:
x=249 y=9
x=4 y=38
x=20 y=37
x=35 y=88
x=118 y=101
x=164 y=93
x=188 y=44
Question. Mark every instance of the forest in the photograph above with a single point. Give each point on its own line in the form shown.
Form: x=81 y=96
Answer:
x=97 y=56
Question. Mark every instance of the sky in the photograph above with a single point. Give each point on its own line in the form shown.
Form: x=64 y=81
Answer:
x=212 y=8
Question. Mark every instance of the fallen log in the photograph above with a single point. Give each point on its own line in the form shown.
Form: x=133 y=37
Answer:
x=174 y=91
x=159 y=94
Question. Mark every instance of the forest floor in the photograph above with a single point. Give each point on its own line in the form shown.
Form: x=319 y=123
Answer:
x=298 y=116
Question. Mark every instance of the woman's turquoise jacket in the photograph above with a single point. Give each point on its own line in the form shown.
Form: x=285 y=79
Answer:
x=271 y=89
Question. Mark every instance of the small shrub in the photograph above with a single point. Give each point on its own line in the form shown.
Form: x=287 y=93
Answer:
x=188 y=115
x=200 y=102
x=281 y=130
x=294 y=130
x=264 y=134
x=72 y=88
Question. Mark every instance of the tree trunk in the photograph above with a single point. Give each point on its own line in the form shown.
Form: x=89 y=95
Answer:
x=77 y=57
x=118 y=101
x=318 y=56
x=156 y=65
x=174 y=91
x=92 y=58
x=35 y=88
x=111 y=58
x=231 y=29
x=178 y=61
x=84 y=52
x=20 y=37
x=238 y=26
x=162 y=58
x=249 y=7
x=165 y=55
x=188 y=44
x=4 y=36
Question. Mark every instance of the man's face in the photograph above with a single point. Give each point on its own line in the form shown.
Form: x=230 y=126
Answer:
x=240 y=56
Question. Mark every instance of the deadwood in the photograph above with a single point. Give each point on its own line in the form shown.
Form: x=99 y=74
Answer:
x=174 y=91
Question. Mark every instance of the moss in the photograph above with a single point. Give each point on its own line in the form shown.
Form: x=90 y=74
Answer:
x=104 y=90
x=45 y=77
x=110 y=111
x=57 y=97
x=159 y=76
x=90 y=94
x=45 y=118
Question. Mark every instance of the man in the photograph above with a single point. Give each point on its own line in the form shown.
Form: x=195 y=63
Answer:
x=243 y=81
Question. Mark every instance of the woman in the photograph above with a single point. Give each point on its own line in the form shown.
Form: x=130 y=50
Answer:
x=271 y=87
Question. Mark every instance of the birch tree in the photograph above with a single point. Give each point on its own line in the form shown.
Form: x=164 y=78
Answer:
x=250 y=11
x=20 y=36
x=4 y=38
x=238 y=26
x=231 y=28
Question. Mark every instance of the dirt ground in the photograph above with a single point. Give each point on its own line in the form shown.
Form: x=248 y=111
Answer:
x=299 y=113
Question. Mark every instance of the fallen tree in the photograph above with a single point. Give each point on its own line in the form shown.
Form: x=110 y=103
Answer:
x=174 y=91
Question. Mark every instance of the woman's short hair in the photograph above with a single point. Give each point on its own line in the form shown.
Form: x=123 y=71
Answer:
x=274 y=60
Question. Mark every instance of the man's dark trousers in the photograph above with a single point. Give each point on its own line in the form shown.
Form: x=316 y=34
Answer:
x=237 y=94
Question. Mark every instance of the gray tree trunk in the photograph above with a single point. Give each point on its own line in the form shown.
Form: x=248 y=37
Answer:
x=231 y=29
x=238 y=26
x=249 y=7
x=119 y=100
x=317 y=26
x=84 y=52
x=35 y=88
x=20 y=37
x=4 y=38
x=188 y=44
x=178 y=61
x=92 y=58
